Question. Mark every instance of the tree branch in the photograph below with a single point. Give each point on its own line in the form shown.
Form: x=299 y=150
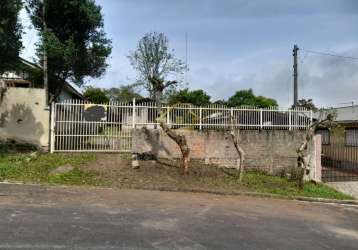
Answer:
x=169 y=83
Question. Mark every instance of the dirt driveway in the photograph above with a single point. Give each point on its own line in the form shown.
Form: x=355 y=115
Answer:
x=43 y=217
x=116 y=171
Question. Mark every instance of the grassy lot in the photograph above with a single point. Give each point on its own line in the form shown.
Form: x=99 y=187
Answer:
x=276 y=185
x=114 y=170
x=36 y=168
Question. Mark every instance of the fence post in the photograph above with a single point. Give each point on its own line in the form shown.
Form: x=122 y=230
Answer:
x=200 y=118
x=52 y=128
x=289 y=120
x=168 y=116
x=261 y=119
x=232 y=117
x=134 y=113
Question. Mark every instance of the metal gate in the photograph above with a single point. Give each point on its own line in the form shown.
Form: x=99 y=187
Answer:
x=339 y=163
x=78 y=126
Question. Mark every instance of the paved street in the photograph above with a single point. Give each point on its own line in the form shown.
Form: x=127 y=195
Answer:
x=35 y=217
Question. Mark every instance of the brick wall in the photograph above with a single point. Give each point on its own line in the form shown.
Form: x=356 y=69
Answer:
x=265 y=150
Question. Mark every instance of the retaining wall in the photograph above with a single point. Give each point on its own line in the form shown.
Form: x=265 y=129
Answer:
x=267 y=150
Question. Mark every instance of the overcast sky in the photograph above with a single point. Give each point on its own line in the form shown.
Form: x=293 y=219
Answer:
x=240 y=44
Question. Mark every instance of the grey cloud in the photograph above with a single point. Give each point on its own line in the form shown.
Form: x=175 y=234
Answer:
x=328 y=81
x=237 y=44
x=331 y=80
x=237 y=8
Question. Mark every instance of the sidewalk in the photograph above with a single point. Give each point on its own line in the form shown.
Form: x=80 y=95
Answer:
x=347 y=187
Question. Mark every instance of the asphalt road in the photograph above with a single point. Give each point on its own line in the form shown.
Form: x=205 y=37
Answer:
x=35 y=217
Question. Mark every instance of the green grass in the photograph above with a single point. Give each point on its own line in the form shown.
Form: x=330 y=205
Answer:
x=264 y=183
x=36 y=168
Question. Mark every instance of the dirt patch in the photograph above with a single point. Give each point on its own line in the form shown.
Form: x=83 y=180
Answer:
x=116 y=171
x=62 y=169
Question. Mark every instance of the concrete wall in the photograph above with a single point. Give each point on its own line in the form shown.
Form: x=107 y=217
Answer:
x=316 y=171
x=269 y=151
x=23 y=118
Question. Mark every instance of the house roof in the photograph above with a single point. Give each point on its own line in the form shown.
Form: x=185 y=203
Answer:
x=347 y=114
x=71 y=88
x=74 y=90
x=30 y=64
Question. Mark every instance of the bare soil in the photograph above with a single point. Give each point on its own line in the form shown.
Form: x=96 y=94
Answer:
x=116 y=171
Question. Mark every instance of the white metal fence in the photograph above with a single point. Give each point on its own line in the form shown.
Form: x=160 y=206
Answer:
x=82 y=126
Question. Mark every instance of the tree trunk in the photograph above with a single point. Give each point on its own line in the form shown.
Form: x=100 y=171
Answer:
x=180 y=140
x=301 y=170
x=183 y=145
x=302 y=163
x=235 y=138
x=302 y=159
x=241 y=154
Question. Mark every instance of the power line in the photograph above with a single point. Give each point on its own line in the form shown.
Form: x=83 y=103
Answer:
x=302 y=60
x=330 y=54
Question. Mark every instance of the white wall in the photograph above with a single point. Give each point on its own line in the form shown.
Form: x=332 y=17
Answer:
x=24 y=116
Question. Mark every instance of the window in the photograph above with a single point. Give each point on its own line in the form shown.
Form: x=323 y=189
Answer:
x=352 y=137
x=18 y=83
x=325 y=134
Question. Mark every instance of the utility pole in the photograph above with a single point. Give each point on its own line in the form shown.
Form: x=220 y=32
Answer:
x=295 y=75
x=186 y=58
x=45 y=68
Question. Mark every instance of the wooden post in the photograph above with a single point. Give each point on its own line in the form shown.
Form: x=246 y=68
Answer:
x=295 y=75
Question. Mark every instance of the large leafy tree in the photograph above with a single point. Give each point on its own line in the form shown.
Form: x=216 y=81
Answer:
x=154 y=63
x=307 y=104
x=75 y=41
x=196 y=97
x=96 y=95
x=10 y=34
x=247 y=98
x=124 y=93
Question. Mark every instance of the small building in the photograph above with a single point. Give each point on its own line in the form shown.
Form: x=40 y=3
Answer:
x=24 y=113
x=29 y=75
x=340 y=146
x=345 y=130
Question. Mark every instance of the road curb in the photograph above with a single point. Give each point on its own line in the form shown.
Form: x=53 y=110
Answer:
x=197 y=190
x=323 y=200
x=260 y=195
